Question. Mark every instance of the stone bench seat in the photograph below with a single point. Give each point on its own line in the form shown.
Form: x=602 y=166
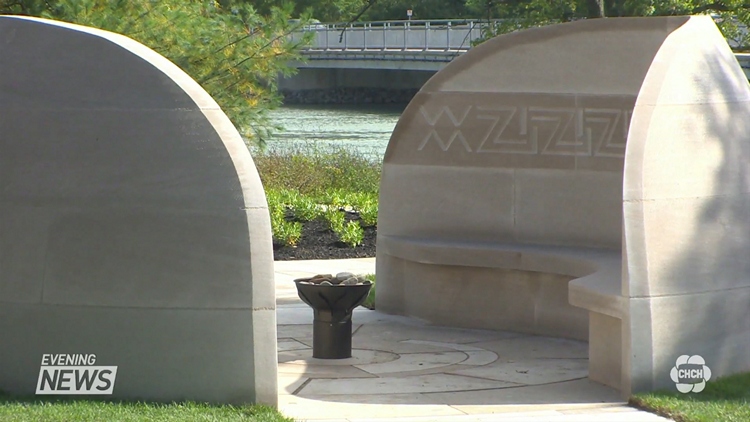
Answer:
x=580 y=263
x=600 y=291
x=595 y=273
x=596 y=284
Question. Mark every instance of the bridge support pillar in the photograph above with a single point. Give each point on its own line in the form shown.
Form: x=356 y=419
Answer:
x=345 y=86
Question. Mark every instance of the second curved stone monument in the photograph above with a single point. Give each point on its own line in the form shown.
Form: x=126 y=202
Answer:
x=587 y=180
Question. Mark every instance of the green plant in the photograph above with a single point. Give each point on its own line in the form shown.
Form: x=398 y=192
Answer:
x=285 y=232
x=274 y=201
x=317 y=172
x=277 y=216
x=367 y=207
x=369 y=215
x=369 y=303
x=336 y=219
x=351 y=234
x=309 y=183
x=337 y=198
x=305 y=208
x=288 y=232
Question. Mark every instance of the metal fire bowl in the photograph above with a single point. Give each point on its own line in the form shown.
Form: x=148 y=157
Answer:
x=335 y=302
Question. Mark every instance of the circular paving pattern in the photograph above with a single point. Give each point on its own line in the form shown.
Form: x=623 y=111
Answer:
x=359 y=357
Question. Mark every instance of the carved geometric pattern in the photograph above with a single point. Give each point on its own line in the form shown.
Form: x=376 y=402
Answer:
x=506 y=129
x=431 y=121
x=498 y=138
x=559 y=131
x=608 y=129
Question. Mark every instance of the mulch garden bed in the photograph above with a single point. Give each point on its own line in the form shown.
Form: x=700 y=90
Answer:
x=318 y=241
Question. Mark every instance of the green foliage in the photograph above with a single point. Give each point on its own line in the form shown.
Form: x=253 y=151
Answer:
x=369 y=303
x=734 y=26
x=326 y=11
x=336 y=219
x=336 y=198
x=366 y=205
x=318 y=172
x=421 y=9
x=235 y=53
x=309 y=183
x=284 y=231
x=351 y=234
x=305 y=208
x=276 y=202
x=733 y=16
x=369 y=213
x=372 y=10
x=301 y=207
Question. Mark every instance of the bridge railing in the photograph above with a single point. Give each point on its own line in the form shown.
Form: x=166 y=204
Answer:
x=415 y=35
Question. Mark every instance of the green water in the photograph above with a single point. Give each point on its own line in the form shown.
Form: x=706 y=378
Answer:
x=363 y=128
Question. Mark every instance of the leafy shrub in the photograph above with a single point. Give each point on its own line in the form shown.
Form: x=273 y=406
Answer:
x=336 y=219
x=285 y=232
x=367 y=207
x=305 y=208
x=351 y=234
x=274 y=201
x=312 y=170
x=277 y=220
x=308 y=183
x=370 y=301
x=369 y=215
x=288 y=232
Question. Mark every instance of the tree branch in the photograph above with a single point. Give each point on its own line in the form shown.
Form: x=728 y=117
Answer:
x=370 y=3
x=717 y=6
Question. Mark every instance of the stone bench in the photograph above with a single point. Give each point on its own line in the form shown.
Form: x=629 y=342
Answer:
x=595 y=285
x=606 y=201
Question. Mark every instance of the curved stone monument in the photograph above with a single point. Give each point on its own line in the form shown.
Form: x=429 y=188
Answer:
x=133 y=226
x=587 y=180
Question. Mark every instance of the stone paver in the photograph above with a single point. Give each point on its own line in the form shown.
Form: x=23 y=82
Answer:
x=404 y=369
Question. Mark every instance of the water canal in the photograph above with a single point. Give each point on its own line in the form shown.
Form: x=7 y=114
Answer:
x=363 y=128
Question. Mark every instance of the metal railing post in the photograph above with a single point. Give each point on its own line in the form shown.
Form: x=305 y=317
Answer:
x=448 y=31
x=364 y=38
x=404 y=37
x=426 y=31
x=385 y=43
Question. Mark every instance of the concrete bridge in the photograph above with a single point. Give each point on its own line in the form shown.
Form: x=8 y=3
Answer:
x=394 y=45
x=375 y=62
x=385 y=61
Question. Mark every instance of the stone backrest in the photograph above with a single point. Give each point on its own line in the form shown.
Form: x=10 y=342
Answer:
x=523 y=138
x=133 y=224
x=624 y=135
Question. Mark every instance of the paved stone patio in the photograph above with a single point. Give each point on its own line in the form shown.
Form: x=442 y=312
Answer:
x=405 y=369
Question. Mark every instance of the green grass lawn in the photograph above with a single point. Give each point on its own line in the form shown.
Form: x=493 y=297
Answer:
x=72 y=410
x=724 y=400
